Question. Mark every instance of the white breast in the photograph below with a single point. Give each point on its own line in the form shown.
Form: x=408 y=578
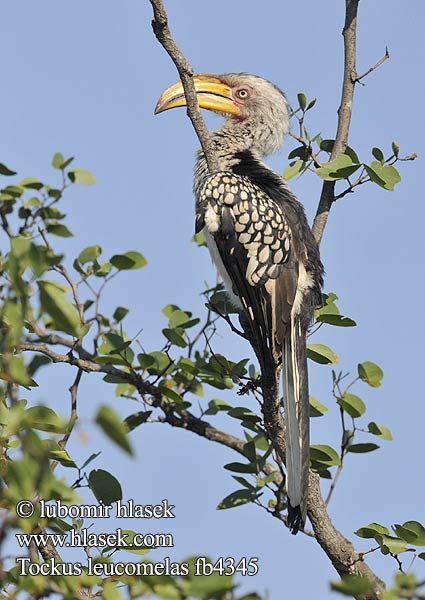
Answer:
x=216 y=258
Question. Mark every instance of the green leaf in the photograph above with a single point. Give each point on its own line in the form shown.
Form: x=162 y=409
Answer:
x=17 y=372
x=328 y=305
x=240 y=412
x=325 y=455
x=112 y=343
x=238 y=498
x=59 y=230
x=119 y=313
x=327 y=145
x=54 y=301
x=378 y=154
x=57 y=160
x=244 y=482
x=345 y=172
x=44 y=418
x=391 y=545
x=362 y=448
x=175 y=337
x=353 y=405
x=336 y=320
x=90 y=459
x=220 y=302
x=353 y=585
x=38 y=361
x=5 y=171
x=405 y=534
x=198 y=239
x=293 y=169
x=311 y=104
x=179 y=318
x=89 y=254
x=104 y=486
x=171 y=395
x=250 y=452
x=374 y=176
x=330 y=171
x=81 y=176
x=412 y=532
x=129 y=260
x=63 y=458
x=136 y=419
x=113 y=427
x=370 y=373
x=380 y=431
x=396 y=148
x=145 y=360
x=102 y=269
x=114 y=379
x=162 y=361
x=321 y=354
x=31 y=183
x=317 y=409
x=169 y=309
x=111 y=592
x=262 y=481
x=301 y=152
x=302 y=101
x=352 y=154
x=385 y=176
x=371 y=531
x=20 y=246
x=241 y=467
x=214 y=406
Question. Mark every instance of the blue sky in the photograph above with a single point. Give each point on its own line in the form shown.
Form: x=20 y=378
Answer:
x=83 y=79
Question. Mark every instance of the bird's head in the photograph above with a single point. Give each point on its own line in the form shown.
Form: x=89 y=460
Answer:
x=252 y=106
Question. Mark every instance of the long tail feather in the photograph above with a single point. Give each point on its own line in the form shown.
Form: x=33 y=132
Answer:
x=296 y=405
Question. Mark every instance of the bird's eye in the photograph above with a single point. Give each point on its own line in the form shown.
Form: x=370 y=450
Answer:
x=242 y=93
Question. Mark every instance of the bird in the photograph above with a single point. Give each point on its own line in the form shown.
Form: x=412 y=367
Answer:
x=260 y=241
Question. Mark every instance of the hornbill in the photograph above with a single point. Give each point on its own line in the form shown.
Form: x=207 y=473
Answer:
x=258 y=236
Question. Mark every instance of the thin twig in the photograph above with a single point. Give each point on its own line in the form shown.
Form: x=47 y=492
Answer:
x=376 y=66
x=185 y=70
x=73 y=390
x=5 y=223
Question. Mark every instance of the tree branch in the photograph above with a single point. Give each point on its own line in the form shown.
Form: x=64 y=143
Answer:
x=89 y=366
x=327 y=196
x=185 y=70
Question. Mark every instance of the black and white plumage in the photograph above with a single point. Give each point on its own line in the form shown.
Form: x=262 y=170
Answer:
x=259 y=238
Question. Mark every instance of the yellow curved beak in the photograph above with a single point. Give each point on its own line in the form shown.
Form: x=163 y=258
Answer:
x=211 y=92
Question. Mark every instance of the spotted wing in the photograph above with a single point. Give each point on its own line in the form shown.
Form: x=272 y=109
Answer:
x=254 y=242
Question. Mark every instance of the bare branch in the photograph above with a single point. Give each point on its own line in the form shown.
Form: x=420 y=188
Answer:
x=89 y=366
x=185 y=70
x=376 y=66
x=344 y=113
